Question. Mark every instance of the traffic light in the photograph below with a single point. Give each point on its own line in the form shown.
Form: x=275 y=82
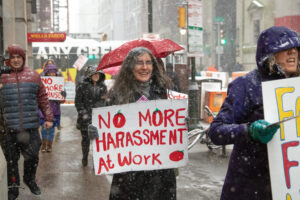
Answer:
x=223 y=41
x=181 y=17
x=222 y=38
x=91 y=56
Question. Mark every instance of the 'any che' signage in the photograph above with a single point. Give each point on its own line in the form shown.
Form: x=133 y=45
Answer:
x=46 y=37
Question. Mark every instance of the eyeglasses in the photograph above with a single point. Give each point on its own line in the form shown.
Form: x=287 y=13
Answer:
x=141 y=63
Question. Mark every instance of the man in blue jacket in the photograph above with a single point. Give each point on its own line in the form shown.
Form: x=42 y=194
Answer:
x=22 y=93
x=241 y=118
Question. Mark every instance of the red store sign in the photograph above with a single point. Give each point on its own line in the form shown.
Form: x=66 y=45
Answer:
x=46 y=37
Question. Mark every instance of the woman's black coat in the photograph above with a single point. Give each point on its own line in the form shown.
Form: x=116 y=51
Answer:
x=147 y=185
x=88 y=96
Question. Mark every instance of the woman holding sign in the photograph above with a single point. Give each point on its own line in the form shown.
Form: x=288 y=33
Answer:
x=48 y=134
x=241 y=119
x=140 y=80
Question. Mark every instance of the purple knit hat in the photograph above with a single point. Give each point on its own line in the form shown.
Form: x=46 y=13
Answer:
x=50 y=69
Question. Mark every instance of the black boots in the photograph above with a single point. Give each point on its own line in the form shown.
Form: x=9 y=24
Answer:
x=33 y=187
x=85 y=146
x=85 y=155
x=13 y=193
x=84 y=161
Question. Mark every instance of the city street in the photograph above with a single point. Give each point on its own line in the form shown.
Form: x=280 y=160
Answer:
x=61 y=176
x=234 y=64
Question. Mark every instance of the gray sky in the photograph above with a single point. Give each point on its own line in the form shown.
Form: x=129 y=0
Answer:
x=83 y=16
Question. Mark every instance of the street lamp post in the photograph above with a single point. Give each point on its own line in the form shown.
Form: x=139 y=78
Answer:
x=218 y=44
x=193 y=85
x=193 y=96
x=192 y=51
x=150 y=21
x=219 y=48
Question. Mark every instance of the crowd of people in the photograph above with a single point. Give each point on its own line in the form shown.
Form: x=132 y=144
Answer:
x=239 y=122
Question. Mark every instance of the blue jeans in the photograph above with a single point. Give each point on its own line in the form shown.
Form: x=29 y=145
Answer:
x=48 y=133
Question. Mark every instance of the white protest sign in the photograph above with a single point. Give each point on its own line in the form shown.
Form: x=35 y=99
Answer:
x=176 y=95
x=53 y=85
x=281 y=99
x=79 y=63
x=70 y=90
x=145 y=135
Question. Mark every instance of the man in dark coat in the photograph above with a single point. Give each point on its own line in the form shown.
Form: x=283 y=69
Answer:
x=240 y=120
x=89 y=94
x=23 y=93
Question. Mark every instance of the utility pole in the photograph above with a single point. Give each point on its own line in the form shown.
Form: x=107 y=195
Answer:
x=219 y=48
x=150 y=24
x=194 y=31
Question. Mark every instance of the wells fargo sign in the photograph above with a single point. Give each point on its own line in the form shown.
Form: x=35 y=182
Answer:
x=46 y=37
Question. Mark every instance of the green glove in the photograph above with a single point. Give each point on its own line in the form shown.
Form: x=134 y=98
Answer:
x=259 y=132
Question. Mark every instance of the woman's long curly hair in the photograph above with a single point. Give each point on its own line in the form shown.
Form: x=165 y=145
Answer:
x=125 y=85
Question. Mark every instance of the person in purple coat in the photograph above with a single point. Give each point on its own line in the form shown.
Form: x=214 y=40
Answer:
x=241 y=119
x=48 y=134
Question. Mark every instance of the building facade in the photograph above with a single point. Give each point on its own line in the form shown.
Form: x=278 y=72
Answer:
x=241 y=20
x=128 y=20
x=123 y=20
x=254 y=16
x=44 y=22
x=52 y=16
x=17 y=18
x=15 y=21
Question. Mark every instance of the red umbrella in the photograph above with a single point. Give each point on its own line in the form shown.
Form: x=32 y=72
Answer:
x=159 y=48
x=112 y=70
